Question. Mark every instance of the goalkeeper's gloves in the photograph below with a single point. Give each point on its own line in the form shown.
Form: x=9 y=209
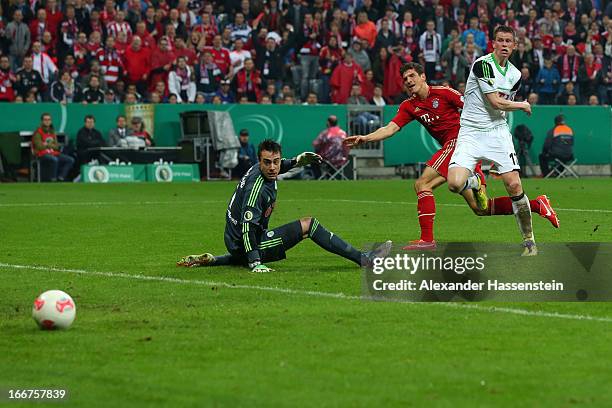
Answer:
x=261 y=268
x=306 y=158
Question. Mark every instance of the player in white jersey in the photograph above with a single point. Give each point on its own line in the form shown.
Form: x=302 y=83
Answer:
x=484 y=133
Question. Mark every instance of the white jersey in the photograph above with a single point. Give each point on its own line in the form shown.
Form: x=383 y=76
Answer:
x=486 y=76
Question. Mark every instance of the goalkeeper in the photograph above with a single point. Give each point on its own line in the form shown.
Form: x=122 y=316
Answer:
x=247 y=237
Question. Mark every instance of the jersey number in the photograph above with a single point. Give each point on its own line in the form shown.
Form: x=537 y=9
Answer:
x=513 y=158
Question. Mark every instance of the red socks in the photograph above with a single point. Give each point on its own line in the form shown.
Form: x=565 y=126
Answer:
x=503 y=206
x=426 y=207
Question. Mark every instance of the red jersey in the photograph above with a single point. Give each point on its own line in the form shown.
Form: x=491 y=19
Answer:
x=438 y=113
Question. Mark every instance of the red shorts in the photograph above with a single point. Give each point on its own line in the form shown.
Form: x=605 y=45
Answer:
x=441 y=159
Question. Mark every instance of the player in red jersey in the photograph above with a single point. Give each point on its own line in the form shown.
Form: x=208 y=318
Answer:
x=437 y=108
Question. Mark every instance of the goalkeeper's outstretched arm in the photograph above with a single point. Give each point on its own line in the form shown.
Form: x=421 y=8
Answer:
x=379 y=134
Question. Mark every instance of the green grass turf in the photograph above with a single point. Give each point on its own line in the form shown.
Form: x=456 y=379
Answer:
x=160 y=343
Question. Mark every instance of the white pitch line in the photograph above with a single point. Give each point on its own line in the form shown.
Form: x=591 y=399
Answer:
x=101 y=203
x=455 y=305
x=178 y=202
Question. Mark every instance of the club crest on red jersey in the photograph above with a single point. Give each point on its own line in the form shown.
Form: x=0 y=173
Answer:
x=435 y=103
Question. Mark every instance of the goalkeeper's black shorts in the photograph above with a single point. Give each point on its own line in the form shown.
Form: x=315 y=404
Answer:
x=272 y=243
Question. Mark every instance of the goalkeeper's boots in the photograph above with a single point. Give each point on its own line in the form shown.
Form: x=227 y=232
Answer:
x=529 y=248
x=482 y=201
x=420 y=245
x=381 y=251
x=547 y=211
x=193 y=261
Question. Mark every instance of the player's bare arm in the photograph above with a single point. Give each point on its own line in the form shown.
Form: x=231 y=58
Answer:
x=382 y=133
x=499 y=102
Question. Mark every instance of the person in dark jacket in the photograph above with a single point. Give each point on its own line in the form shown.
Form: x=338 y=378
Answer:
x=246 y=154
x=93 y=93
x=89 y=137
x=65 y=89
x=559 y=144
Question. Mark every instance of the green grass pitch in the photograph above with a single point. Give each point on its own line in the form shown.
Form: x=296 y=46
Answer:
x=150 y=334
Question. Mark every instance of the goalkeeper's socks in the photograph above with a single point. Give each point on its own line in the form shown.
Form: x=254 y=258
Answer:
x=426 y=208
x=332 y=243
x=522 y=212
x=503 y=206
x=223 y=260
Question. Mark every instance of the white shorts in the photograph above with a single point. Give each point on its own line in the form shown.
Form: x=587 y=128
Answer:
x=489 y=145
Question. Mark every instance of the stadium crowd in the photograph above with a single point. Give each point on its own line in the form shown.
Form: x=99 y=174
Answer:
x=292 y=51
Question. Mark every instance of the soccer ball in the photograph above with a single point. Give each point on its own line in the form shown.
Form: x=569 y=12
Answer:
x=54 y=309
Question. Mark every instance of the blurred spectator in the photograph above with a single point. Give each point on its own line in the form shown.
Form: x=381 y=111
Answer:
x=109 y=97
x=548 y=80
x=162 y=60
x=430 y=44
x=360 y=56
x=328 y=144
x=269 y=58
x=526 y=85
x=110 y=62
x=248 y=82
x=569 y=88
x=590 y=76
x=311 y=99
x=95 y=70
x=443 y=24
x=391 y=17
x=343 y=78
x=137 y=62
x=246 y=154
x=65 y=89
x=568 y=65
x=43 y=64
x=378 y=99
x=455 y=64
x=593 y=100
x=117 y=135
x=572 y=100
x=225 y=93
x=119 y=25
x=364 y=121
x=221 y=56
x=479 y=37
x=182 y=50
x=93 y=93
x=532 y=99
x=367 y=86
x=7 y=80
x=309 y=44
x=39 y=25
x=17 y=34
x=520 y=58
x=180 y=81
x=240 y=29
x=55 y=165
x=559 y=144
x=28 y=80
x=385 y=38
x=365 y=29
x=238 y=55
x=88 y=137
x=139 y=131
x=537 y=56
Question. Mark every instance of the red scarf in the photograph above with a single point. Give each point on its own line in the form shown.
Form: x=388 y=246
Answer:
x=566 y=68
x=592 y=69
x=183 y=74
